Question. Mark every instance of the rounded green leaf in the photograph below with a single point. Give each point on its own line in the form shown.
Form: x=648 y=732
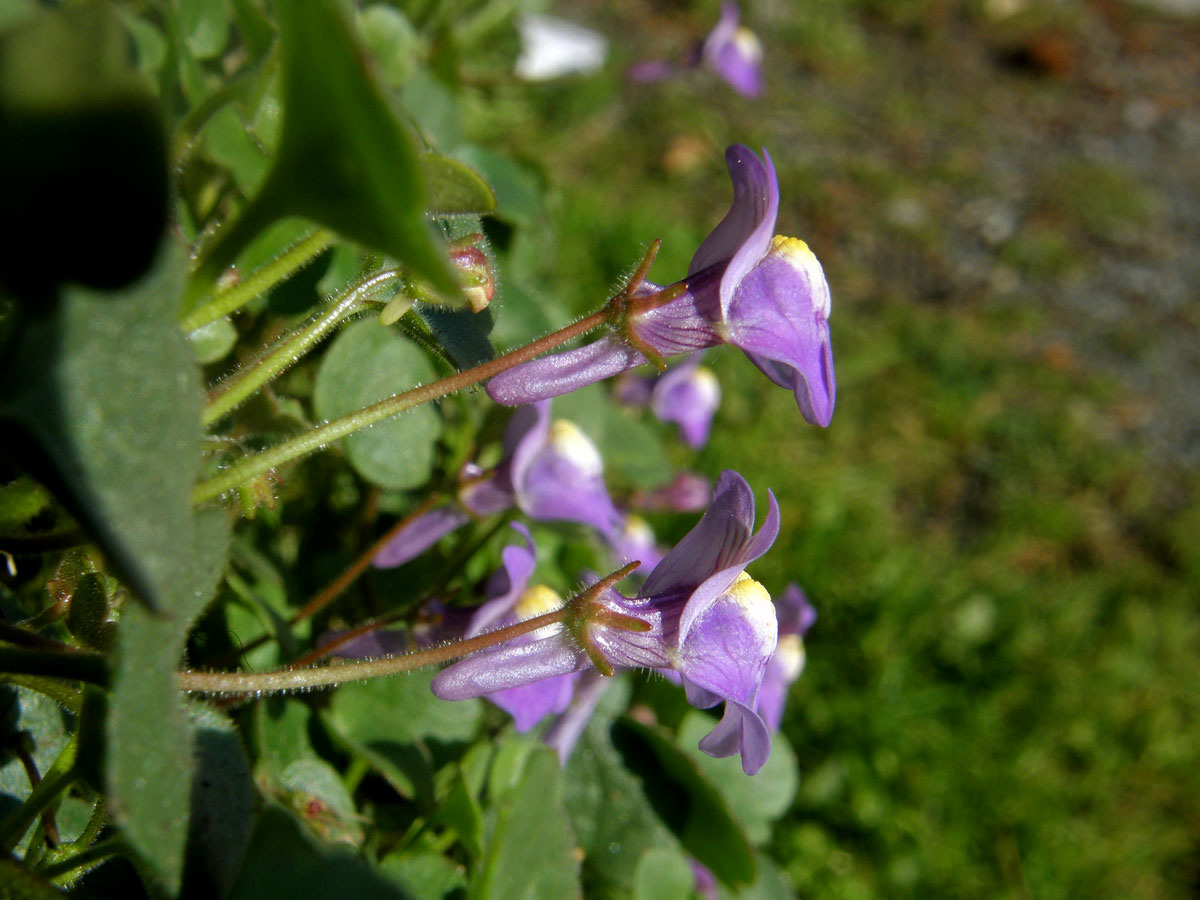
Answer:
x=365 y=364
x=454 y=188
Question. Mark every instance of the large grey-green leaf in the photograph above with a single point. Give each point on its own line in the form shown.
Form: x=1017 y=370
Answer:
x=150 y=740
x=367 y=363
x=106 y=388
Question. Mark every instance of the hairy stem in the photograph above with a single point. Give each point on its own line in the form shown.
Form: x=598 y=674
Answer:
x=222 y=303
x=242 y=384
x=327 y=676
x=322 y=435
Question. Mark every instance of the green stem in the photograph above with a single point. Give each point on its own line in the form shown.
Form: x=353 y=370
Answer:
x=57 y=871
x=327 y=676
x=222 y=303
x=250 y=467
x=78 y=665
x=235 y=389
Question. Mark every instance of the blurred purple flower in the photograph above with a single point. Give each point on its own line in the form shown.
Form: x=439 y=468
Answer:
x=731 y=51
x=687 y=492
x=687 y=395
x=796 y=615
x=767 y=296
x=565 y=731
x=734 y=53
x=698 y=615
x=550 y=471
x=635 y=540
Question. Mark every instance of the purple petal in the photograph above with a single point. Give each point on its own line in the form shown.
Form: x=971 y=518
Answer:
x=780 y=318
x=506 y=584
x=717 y=538
x=508 y=666
x=740 y=730
x=419 y=535
x=726 y=651
x=531 y=703
x=688 y=395
x=561 y=373
x=744 y=235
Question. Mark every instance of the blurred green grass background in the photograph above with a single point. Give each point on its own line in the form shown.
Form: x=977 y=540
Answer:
x=999 y=527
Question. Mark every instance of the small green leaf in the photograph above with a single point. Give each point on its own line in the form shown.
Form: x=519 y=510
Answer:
x=344 y=159
x=107 y=389
x=391 y=40
x=454 y=188
x=150 y=739
x=204 y=25
x=663 y=874
x=213 y=341
x=283 y=863
x=686 y=802
x=397 y=723
x=367 y=363
x=530 y=854
x=427 y=876
x=757 y=801
x=314 y=791
x=222 y=805
x=42 y=725
x=518 y=190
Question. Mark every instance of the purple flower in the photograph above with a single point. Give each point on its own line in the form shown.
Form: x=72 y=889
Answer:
x=550 y=471
x=734 y=53
x=698 y=616
x=767 y=296
x=511 y=600
x=731 y=51
x=687 y=395
x=796 y=615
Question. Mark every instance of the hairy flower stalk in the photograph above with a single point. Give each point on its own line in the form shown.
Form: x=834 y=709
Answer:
x=295 y=679
x=319 y=437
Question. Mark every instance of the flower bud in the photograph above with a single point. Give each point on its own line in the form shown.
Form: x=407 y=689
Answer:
x=476 y=272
